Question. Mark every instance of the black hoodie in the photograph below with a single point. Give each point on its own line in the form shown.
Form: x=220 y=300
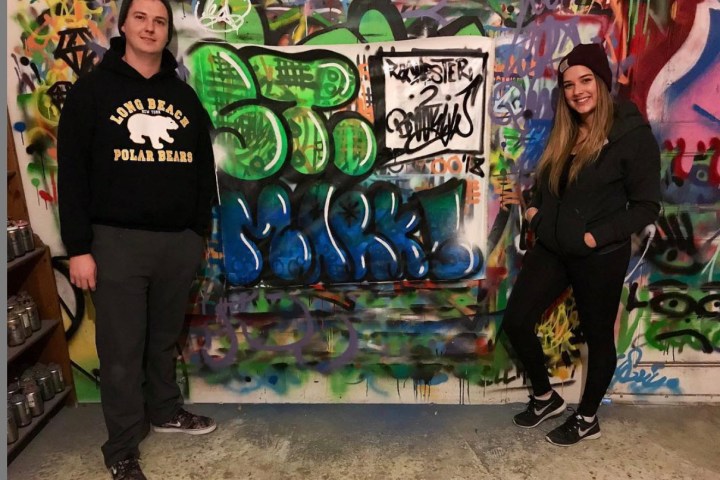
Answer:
x=133 y=152
x=611 y=198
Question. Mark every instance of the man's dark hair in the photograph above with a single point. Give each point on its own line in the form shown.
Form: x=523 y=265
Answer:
x=122 y=16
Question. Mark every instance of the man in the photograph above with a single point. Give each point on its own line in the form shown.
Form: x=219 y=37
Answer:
x=136 y=186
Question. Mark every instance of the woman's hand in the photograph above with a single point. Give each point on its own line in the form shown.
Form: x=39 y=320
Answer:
x=530 y=213
x=509 y=198
x=590 y=240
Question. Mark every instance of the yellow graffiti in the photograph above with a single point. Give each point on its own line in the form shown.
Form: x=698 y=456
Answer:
x=555 y=332
x=44 y=108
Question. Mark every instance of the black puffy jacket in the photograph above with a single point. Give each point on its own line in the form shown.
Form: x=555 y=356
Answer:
x=612 y=198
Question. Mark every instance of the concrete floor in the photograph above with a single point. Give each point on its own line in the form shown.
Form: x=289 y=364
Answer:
x=417 y=442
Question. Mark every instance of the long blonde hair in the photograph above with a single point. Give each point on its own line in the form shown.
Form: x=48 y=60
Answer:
x=564 y=135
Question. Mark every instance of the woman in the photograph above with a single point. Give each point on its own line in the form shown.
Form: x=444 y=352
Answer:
x=598 y=181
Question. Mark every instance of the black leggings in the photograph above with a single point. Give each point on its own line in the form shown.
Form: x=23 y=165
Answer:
x=597 y=282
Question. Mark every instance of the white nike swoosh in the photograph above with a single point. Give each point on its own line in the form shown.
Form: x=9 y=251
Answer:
x=584 y=432
x=540 y=412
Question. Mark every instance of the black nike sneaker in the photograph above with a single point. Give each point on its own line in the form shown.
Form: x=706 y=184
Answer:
x=539 y=410
x=574 y=430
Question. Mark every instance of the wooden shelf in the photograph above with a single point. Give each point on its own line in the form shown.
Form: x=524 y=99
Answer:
x=28 y=257
x=45 y=329
x=33 y=273
x=24 y=433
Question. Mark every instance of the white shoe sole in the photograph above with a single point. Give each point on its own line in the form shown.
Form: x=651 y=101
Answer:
x=558 y=411
x=589 y=437
x=199 y=431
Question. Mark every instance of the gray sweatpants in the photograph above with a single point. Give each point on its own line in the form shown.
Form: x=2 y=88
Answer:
x=143 y=282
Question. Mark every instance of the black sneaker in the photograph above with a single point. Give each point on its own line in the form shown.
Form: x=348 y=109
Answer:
x=573 y=430
x=539 y=410
x=186 y=422
x=128 y=469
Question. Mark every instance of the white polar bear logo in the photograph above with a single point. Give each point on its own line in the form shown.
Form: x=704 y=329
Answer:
x=154 y=127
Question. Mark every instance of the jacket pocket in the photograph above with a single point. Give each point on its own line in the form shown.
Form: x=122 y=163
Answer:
x=571 y=228
x=545 y=230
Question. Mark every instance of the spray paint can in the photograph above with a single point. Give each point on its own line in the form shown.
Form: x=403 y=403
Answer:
x=27 y=382
x=34 y=399
x=26 y=235
x=14 y=388
x=15 y=329
x=27 y=376
x=24 y=302
x=26 y=323
x=16 y=245
x=12 y=432
x=44 y=381
x=57 y=377
x=21 y=409
x=32 y=311
x=10 y=251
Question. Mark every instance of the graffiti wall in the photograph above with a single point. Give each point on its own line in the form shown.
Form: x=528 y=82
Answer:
x=314 y=189
x=359 y=251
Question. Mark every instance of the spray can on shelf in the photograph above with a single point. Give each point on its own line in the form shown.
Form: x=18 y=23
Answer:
x=15 y=329
x=14 y=388
x=57 y=377
x=26 y=322
x=44 y=381
x=10 y=251
x=34 y=399
x=12 y=432
x=25 y=302
x=21 y=409
x=16 y=245
x=32 y=311
x=27 y=376
x=26 y=235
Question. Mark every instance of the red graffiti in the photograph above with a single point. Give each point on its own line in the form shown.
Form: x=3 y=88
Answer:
x=681 y=164
x=714 y=170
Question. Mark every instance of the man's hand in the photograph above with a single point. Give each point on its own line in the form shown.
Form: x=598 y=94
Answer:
x=83 y=271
